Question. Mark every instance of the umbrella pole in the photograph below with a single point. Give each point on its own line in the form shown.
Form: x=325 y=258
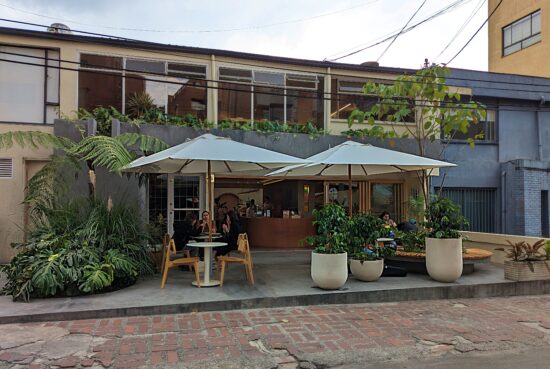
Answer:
x=209 y=200
x=350 y=192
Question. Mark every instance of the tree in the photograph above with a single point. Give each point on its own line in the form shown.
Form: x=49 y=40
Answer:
x=438 y=112
x=112 y=153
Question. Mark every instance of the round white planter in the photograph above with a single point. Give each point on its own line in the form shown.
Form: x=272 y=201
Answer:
x=444 y=259
x=368 y=271
x=329 y=271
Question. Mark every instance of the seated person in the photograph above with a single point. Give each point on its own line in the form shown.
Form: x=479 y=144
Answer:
x=385 y=216
x=231 y=230
x=408 y=226
x=202 y=225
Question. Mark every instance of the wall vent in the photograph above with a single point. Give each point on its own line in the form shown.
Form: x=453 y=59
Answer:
x=6 y=168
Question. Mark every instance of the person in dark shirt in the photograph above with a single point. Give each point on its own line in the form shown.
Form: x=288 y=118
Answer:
x=231 y=229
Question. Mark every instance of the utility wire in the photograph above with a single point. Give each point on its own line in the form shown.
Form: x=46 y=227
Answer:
x=400 y=32
x=91 y=40
x=433 y=16
x=432 y=103
x=242 y=63
x=254 y=27
x=474 y=35
x=466 y=22
x=163 y=75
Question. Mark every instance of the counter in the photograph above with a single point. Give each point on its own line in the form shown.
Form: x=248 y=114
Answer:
x=278 y=233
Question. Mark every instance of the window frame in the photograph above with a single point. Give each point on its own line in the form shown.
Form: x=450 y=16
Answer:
x=493 y=141
x=46 y=66
x=520 y=42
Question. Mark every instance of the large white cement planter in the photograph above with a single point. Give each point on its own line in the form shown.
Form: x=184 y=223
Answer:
x=368 y=270
x=329 y=271
x=444 y=258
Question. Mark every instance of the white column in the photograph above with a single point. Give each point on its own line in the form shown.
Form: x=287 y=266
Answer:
x=326 y=103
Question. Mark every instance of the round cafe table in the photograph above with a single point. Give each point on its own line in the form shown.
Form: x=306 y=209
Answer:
x=207 y=246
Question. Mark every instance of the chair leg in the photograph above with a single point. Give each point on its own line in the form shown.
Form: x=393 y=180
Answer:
x=164 y=276
x=223 y=273
x=218 y=267
x=197 y=274
x=187 y=254
x=246 y=272
x=251 y=273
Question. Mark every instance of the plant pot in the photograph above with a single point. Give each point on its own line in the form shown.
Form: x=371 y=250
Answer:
x=444 y=259
x=368 y=270
x=520 y=270
x=329 y=271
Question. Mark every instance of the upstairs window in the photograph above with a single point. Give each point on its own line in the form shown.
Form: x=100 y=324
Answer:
x=484 y=131
x=521 y=34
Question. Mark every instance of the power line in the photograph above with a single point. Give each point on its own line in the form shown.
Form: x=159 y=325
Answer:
x=241 y=63
x=123 y=70
x=466 y=22
x=425 y=103
x=254 y=27
x=433 y=16
x=476 y=32
x=400 y=32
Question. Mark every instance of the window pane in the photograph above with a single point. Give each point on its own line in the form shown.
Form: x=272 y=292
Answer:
x=145 y=66
x=512 y=49
x=53 y=77
x=305 y=106
x=100 y=61
x=22 y=86
x=158 y=196
x=198 y=71
x=136 y=84
x=386 y=197
x=234 y=101
x=338 y=193
x=268 y=104
x=535 y=23
x=236 y=74
x=269 y=78
x=507 y=36
x=96 y=89
x=189 y=98
x=531 y=40
x=294 y=80
x=521 y=30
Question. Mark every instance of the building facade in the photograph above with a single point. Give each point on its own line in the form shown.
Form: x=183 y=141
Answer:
x=519 y=37
x=46 y=76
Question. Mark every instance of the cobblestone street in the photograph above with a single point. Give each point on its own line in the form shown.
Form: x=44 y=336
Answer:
x=284 y=338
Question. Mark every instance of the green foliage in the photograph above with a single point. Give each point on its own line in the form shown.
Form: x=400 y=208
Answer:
x=444 y=219
x=267 y=126
x=413 y=241
x=363 y=230
x=103 y=151
x=103 y=117
x=139 y=103
x=147 y=144
x=373 y=252
x=416 y=207
x=331 y=224
x=33 y=140
x=79 y=247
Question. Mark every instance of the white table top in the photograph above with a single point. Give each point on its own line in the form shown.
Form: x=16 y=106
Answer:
x=206 y=244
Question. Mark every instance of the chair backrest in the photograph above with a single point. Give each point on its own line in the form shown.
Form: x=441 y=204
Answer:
x=243 y=245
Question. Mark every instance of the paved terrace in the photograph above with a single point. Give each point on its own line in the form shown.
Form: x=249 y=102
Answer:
x=282 y=279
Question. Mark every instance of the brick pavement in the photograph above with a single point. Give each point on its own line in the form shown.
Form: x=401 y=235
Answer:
x=312 y=336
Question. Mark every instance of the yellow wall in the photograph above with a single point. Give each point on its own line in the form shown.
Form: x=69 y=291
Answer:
x=533 y=60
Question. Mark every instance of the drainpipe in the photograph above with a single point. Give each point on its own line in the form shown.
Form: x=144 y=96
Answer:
x=503 y=202
x=539 y=133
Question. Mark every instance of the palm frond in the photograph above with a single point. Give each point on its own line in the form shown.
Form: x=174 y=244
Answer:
x=103 y=151
x=34 y=140
x=147 y=144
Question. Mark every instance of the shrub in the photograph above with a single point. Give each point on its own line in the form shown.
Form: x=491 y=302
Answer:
x=444 y=219
x=79 y=247
x=331 y=223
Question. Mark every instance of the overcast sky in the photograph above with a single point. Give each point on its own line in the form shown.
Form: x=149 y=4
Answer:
x=311 y=29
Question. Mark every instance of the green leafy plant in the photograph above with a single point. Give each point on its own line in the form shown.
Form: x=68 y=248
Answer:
x=413 y=241
x=364 y=229
x=528 y=253
x=330 y=222
x=139 y=103
x=444 y=219
x=373 y=252
x=78 y=247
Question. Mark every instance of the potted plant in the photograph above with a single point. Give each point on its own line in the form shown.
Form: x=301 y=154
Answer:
x=368 y=264
x=526 y=262
x=329 y=267
x=364 y=229
x=443 y=240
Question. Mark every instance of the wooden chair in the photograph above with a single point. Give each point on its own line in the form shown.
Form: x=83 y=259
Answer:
x=173 y=259
x=246 y=260
x=183 y=253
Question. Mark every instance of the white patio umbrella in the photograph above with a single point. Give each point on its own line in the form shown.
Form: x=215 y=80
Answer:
x=211 y=154
x=356 y=159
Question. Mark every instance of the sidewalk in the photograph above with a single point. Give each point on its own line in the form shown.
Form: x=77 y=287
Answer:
x=284 y=338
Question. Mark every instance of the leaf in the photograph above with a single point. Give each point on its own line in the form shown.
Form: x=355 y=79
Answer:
x=147 y=144
x=103 y=151
x=34 y=140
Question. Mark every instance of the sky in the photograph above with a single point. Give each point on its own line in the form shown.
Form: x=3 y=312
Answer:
x=308 y=29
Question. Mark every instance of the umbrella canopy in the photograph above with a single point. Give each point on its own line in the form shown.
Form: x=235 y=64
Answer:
x=356 y=159
x=224 y=154
x=211 y=154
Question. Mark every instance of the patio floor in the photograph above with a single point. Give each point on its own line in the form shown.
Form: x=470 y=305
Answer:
x=282 y=279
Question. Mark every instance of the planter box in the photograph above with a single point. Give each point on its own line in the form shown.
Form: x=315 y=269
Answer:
x=520 y=271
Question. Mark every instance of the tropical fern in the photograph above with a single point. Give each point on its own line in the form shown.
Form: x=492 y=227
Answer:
x=97 y=277
x=103 y=151
x=147 y=144
x=34 y=140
